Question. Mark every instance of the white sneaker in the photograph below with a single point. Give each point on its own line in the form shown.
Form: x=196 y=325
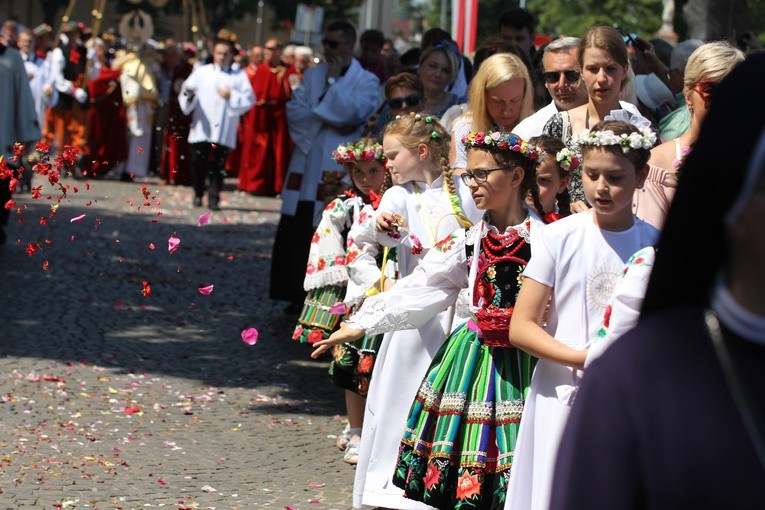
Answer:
x=351 y=453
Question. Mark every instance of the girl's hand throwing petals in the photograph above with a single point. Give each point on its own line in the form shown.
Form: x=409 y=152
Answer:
x=343 y=335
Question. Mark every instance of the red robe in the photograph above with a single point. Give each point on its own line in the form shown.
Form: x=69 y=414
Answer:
x=174 y=165
x=264 y=144
x=107 y=124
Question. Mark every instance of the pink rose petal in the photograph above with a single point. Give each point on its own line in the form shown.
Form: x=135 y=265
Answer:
x=172 y=244
x=338 y=308
x=204 y=219
x=206 y=290
x=77 y=218
x=250 y=336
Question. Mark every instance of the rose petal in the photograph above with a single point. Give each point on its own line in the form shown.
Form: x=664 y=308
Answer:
x=77 y=218
x=172 y=244
x=250 y=336
x=204 y=219
x=338 y=308
x=206 y=290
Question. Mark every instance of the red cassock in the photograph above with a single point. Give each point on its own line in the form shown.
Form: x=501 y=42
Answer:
x=106 y=122
x=174 y=165
x=265 y=146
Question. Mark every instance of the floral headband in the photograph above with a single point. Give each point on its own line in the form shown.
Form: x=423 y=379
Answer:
x=358 y=151
x=645 y=139
x=567 y=159
x=428 y=120
x=502 y=142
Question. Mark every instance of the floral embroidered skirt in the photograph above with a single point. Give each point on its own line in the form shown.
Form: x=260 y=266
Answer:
x=352 y=365
x=316 y=320
x=458 y=444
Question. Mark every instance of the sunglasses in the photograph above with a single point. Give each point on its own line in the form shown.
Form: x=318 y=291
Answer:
x=331 y=43
x=480 y=175
x=571 y=76
x=396 y=103
x=271 y=48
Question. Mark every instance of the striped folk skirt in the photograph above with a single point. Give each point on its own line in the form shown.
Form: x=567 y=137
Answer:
x=458 y=444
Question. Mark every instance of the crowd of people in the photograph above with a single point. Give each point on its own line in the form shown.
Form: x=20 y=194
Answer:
x=466 y=235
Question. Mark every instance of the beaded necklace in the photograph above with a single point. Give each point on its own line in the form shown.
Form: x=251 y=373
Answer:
x=495 y=246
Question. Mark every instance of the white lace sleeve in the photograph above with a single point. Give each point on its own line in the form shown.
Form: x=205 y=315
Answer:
x=415 y=299
x=361 y=256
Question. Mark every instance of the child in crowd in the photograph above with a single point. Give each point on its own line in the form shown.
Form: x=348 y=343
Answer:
x=573 y=270
x=553 y=175
x=429 y=204
x=327 y=279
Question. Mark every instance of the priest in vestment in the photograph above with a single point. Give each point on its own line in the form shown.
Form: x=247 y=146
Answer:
x=264 y=143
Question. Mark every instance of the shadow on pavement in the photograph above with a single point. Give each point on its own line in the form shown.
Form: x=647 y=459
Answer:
x=87 y=306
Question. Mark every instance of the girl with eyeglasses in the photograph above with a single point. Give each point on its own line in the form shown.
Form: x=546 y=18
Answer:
x=459 y=435
x=706 y=67
x=427 y=205
x=501 y=95
x=604 y=61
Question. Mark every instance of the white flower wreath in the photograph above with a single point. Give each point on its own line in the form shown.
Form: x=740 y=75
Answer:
x=645 y=139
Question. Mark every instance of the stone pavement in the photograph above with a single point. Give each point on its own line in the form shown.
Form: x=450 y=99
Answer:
x=110 y=399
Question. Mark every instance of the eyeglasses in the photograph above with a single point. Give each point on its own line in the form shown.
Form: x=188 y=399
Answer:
x=331 y=43
x=705 y=90
x=271 y=48
x=571 y=76
x=396 y=103
x=480 y=175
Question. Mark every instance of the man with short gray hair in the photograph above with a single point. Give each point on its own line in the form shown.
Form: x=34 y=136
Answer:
x=562 y=75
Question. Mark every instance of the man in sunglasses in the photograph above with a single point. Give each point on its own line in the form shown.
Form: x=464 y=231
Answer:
x=329 y=107
x=562 y=76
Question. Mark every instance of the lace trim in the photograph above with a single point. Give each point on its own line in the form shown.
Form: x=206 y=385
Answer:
x=333 y=276
x=376 y=317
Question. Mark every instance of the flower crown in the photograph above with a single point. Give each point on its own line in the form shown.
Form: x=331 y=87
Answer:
x=358 y=151
x=502 y=142
x=567 y=159
x=644 y=139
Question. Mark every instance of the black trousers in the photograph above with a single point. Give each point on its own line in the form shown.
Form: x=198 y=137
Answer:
x=292 y=244
x=208 y=162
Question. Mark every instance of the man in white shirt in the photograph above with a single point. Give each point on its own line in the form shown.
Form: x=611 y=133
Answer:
x=216 y=96
x=330 y=107
x=563 y=80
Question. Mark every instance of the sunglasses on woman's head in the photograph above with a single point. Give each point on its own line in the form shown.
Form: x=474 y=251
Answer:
x=396 y=103
x=571 y=75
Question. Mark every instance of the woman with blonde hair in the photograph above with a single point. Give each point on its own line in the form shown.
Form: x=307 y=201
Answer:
x=706 y=67
x=501 y=95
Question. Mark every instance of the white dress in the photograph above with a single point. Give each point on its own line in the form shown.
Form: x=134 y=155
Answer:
x=404 y=355
x=582 y=264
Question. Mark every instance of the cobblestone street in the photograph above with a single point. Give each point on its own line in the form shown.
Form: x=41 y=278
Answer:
x=115 y=400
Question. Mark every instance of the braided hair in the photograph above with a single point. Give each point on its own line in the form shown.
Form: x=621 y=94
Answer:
x=414 y=129
x=553 y=145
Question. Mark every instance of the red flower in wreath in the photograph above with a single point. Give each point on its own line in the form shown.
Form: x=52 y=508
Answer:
x=468 y=486
x=297 y=333
x=432 y=476
x=314 y=336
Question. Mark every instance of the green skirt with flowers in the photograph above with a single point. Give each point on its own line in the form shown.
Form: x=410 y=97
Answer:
x=457 y=448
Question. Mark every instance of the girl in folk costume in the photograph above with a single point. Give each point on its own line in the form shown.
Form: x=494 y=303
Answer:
x=428 y=204
x=553 y=176
x=327 y=278
x=575 y=264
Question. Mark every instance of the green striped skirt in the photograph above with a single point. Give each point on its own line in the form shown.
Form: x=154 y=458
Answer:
x=458 y=444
